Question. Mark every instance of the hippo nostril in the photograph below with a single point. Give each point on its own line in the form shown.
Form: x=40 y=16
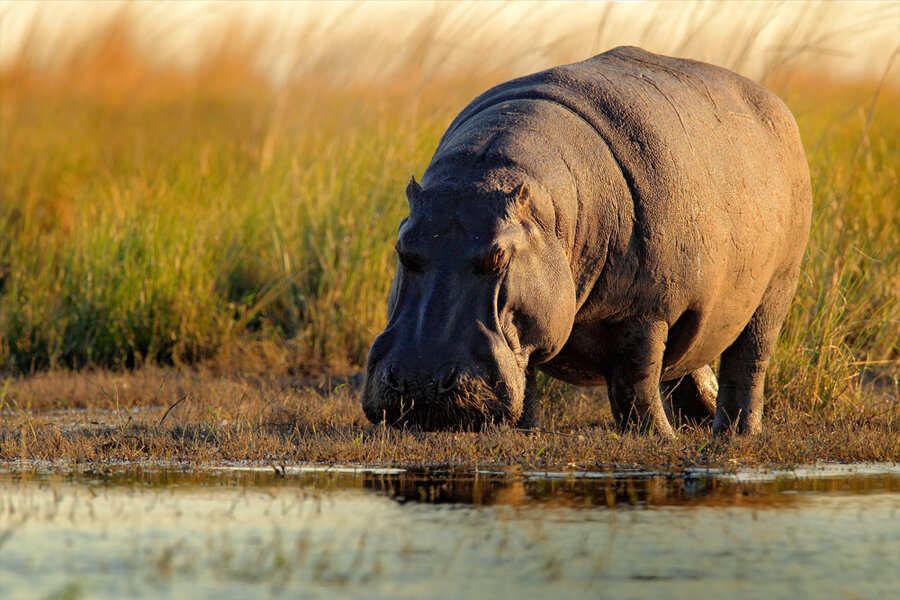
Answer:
x=392 y=380
x=449 y=379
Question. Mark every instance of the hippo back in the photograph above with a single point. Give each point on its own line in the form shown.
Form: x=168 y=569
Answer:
x=717 y=196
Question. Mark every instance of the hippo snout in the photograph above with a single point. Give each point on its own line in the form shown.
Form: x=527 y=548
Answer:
x=451 y=396
x=399 y=380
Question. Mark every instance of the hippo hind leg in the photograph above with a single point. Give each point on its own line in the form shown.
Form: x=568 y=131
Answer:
x=742 y=370
x=691 y=400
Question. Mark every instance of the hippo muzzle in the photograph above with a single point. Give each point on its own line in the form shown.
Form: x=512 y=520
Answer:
x=409 y=384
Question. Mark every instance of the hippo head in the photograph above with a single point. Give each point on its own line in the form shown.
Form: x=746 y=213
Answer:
x=482 y=291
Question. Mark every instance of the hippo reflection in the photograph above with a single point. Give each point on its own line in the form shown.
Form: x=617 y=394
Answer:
x=623 y=220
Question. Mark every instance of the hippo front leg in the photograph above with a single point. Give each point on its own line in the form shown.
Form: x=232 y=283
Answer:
x=531 y=404
x=634 y=373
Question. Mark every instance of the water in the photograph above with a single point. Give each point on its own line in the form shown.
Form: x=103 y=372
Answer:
x=315 y=532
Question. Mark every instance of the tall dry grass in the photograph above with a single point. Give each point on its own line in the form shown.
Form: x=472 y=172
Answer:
x=153 y=213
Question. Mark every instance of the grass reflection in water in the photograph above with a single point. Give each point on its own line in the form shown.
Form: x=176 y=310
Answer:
x=102 y=533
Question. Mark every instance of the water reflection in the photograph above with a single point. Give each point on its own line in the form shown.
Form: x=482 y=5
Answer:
x=612 y=489
x=505 y=487
x=312 y=531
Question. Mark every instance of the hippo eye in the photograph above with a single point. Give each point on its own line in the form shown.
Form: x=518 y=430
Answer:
x=494 y=261
x=410 y=262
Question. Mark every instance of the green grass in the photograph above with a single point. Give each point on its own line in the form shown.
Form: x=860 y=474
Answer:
x=203 y=217
x=844 y=325
x=163 y=231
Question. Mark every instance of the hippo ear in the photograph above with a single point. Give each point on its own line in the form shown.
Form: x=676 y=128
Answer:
x=521 y=194
x=521 y=204
x=526 y=210
x=413 y=189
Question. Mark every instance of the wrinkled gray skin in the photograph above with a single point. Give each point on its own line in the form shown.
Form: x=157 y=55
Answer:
x=626 y=219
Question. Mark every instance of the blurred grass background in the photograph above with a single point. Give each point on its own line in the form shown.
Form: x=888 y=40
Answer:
x=238 y=209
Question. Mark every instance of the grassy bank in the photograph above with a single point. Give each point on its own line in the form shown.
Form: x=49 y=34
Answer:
x=152 y=416
x=154 y=216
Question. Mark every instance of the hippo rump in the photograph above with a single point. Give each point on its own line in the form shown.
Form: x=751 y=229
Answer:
x=624 y=220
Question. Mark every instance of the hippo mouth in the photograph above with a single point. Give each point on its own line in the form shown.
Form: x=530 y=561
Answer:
x=474 y=405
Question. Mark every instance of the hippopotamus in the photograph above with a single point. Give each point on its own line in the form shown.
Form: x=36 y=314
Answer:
x=625 y=220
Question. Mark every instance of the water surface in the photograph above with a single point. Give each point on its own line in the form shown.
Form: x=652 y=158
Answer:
x=317 y=532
